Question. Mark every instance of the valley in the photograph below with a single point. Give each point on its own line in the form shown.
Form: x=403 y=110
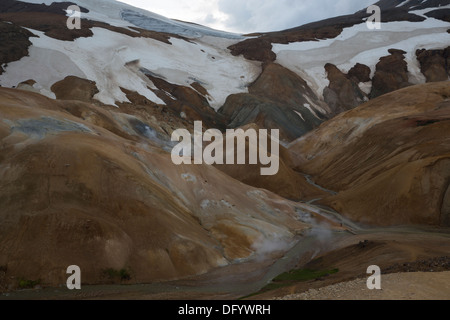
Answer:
x=355 y=170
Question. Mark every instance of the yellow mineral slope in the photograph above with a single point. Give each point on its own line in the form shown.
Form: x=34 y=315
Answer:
x=91 y=186
x=389 y=159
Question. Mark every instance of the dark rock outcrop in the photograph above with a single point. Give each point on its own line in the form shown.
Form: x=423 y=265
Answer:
x=359 y=73
x=54 y=26
x=74 y=88
x=14 y=42
x=20 y=6
x=278 y=99
x=256 y=49
x=52 y=21
x=281 y=84
x=434 y=64
x=391 y=74
x=442 y=14
x=343 y=92
x=187 y=100
x=241 y=109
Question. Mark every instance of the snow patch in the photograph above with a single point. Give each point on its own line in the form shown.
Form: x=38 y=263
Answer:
x=358 y=44
x=423 y=12
x=402 y=4
x=105 y=57
x=366 y=87
x=299 y=114
x=308 y=106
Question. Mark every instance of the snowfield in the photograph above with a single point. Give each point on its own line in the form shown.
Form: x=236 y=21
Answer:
x=103 y=58
x=358 y=44
x=114 y=60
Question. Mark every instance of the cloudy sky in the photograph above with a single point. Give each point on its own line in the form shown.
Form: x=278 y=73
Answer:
x=246 y=16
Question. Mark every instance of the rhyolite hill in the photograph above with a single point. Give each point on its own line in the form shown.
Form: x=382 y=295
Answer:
x=87 y=116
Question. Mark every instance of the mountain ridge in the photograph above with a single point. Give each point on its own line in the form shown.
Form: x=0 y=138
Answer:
x=87 y=118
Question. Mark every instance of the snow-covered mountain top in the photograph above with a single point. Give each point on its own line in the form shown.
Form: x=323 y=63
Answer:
x=123 y=15
x=121 y=57
x=105 y=57
x=358 y=44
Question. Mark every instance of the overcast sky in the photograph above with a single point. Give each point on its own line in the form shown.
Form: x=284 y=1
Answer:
x=245 y=16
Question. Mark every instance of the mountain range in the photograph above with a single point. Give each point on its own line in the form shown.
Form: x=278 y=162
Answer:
x=87 y=115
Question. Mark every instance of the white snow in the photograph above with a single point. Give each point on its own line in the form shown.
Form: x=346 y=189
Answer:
x=103 y=58
x=299 y=114
x=358 y=44
x=424 y=11
x=308 y=106
x=402 y=4
x=366 y=87
x=36 y=66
